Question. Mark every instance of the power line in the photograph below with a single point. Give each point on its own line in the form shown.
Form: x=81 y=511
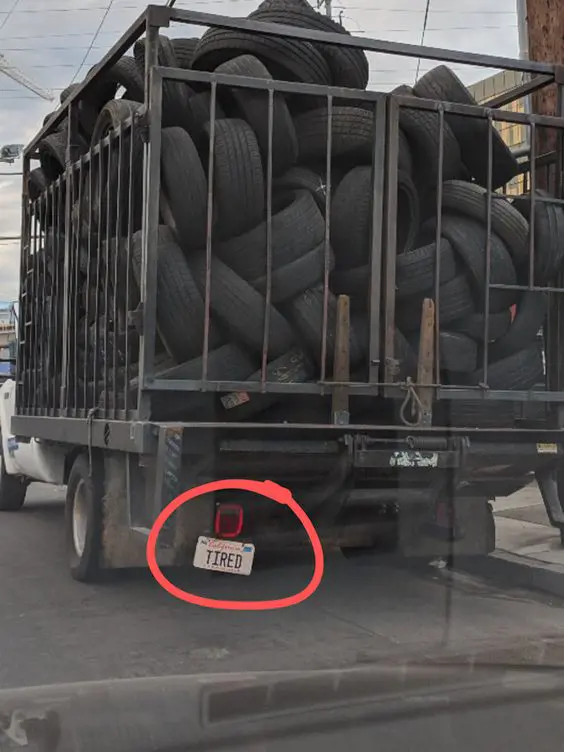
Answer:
x=423 y=30
x=9 y=14
x=381 y=30
x=378 y=9
x=94 y=38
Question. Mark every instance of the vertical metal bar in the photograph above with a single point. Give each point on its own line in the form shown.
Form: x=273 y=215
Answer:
x=532 y=220
x=488 y=259
x=107 y=244
x=39 y=371
x=115 y=284
x=209 y=227
x=87 y=374
x=43 y=331
x=553 y=328
x=21 y=359
x=132 y=167
x=77 y=245
x=34 y=323
x=328 y=166
x=150 y=231
x=97 y=286
x=71 y=138
x=438 y=237
x=390 y=218
x=374 y=290
x=58 y=253
x=268 y=297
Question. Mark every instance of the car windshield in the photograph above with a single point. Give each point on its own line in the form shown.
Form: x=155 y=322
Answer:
x=280 y=344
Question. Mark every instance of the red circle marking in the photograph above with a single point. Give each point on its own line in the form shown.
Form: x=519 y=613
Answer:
x=269 y=490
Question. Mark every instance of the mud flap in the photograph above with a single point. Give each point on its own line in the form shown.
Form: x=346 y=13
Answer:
x=463 y=527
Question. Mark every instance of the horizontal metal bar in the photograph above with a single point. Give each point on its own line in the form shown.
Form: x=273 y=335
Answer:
x=255 y=387
x=267 y=84
x=479 y=111
x=524 y=288
x=124 y=436
x=518 y=92
x=370 y=45
x=513 y=434
x=115 y=53
x=479 y=394
x=280 y=447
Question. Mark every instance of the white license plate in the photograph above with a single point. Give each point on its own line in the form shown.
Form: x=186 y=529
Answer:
x=228 y=556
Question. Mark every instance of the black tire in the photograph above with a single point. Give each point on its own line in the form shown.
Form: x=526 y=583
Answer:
x=549 y=232
x=180 y=305
x=87 y=109
x=286 y=59
x=532 y=309
x=468 y=239
x=293 y=367
x=297 y=276
x=184 y=51
x=404 y=355
x=186 y=188
x=84 y=549
x=422 y=130
x=241 y=309
x=442 y=84
x=37 y=183
x=455 y=302
x=126 y=73
x=238 y=178
x=351 y=211
x=408 y=214
x=226 y=363
x=13 y=489
x=52 y=154
x=246 y=254
x=302 y=178
x=354 y=283
x=471 y=200
x=253 y=106
x=348 y=66
x=415 y=270
x=473 y=325
x=522 y=370
x=306 y=314
x=111 y=117
x=352 y=133
x=176 y=94
x=457 y=352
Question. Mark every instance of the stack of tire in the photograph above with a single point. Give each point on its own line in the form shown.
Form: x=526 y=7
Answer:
x=295 y=157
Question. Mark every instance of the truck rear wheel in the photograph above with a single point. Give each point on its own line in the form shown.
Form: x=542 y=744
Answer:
x=12 y=490
x=84 y=519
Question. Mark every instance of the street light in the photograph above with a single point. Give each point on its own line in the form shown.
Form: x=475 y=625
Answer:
x=11 y=152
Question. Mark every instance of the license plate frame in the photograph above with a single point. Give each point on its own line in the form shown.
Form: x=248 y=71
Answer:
x=226 y=556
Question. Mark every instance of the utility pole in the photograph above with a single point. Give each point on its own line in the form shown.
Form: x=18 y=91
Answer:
x=545 y=36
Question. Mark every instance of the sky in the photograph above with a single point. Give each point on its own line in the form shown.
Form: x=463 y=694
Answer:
x=54 y=42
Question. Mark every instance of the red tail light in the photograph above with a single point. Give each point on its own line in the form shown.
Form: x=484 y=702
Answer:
x=228 y=520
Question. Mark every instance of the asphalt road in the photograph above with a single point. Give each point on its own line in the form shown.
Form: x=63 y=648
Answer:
x=53 y=629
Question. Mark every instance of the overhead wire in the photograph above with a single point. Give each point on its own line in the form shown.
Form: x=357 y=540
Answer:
x=94 y=38
x=423 y=30
x=9 y=14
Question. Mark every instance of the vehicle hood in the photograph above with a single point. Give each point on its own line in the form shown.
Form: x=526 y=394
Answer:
x=192 y=712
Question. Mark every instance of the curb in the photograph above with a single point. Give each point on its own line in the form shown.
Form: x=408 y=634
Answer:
x=518 y=571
